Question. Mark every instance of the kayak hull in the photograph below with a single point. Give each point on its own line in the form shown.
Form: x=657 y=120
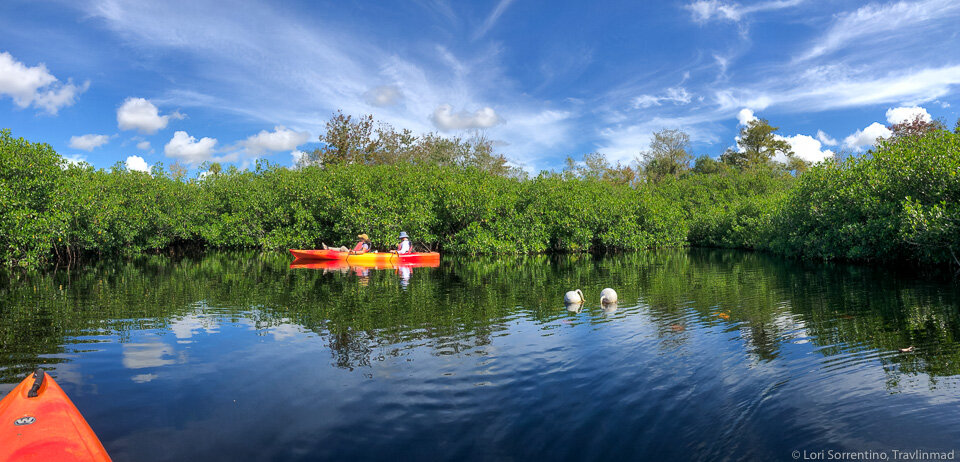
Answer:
x=46 y=426
x=343 y=265
x=372 y=258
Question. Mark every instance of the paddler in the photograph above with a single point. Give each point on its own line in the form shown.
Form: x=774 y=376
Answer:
x=404 y=246
x=363 y=246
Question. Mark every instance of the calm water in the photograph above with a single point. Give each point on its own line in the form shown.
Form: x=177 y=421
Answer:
x=709 y=355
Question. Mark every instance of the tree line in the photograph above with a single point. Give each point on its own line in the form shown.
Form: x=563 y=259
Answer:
x=896 y=202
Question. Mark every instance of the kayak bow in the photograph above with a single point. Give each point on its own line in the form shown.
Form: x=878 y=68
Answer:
x=39 y=422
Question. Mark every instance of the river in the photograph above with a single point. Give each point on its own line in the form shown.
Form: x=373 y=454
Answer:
x=709 y=355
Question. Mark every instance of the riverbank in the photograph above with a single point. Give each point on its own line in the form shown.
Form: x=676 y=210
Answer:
x=897 y=203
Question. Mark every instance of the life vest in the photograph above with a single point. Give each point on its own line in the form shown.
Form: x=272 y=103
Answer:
x=360 y=246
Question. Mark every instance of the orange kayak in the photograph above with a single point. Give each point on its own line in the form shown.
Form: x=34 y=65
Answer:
x=39 y=422
x=344 y=265
x=372 y=258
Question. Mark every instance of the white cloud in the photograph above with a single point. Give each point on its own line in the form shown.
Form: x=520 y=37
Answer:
x=143 y=145
x=676 y=95
x=186 y=148
x=883 y=21
x=280 y=139
x=705 y=10
x=826 y=139
x=250 y=53
x=624 y=143
x=297 y=157
x=75 y=159
x=137 y=164
x=902 y=114
x=141 y=115
x=88 y=142
x=836 y=88
x=867 y=137
x=492 y=19
x=745 y=116
x=383 y=95
x=530 y=135
x=36 y=85
x=805 y=147
x=445 y=119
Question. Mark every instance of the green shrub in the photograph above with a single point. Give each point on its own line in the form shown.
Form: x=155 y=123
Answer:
x=898 y=202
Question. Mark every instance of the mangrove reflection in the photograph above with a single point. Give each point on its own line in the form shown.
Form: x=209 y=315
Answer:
x=366 y=314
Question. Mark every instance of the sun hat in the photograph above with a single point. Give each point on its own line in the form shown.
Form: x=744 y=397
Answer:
x=364 y=237
x=403 y=234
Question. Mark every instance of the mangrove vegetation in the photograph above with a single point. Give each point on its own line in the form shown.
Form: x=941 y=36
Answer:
x=896 y=202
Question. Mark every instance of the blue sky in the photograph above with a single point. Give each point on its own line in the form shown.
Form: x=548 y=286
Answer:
x=109 y=81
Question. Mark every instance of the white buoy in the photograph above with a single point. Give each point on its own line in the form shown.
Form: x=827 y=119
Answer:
x=574 y=296
x=608 y=296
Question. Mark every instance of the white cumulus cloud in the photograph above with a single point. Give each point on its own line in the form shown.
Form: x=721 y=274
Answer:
x=137 y=164
x=88 y=142
x=186 y=148
x=867 y=137
x=826 y=139
x=745 y=116
x=383 y=96
x=36 y=85
x=143 y=145
x=805 y=147
x=445 y=119
x=280 y=139
x=141 y=115
x=902 y=114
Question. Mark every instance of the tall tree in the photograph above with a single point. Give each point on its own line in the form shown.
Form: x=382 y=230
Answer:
x=365 y=141
x=667 y=155
x=595 y=166
x=346 y=141
x=916 y=127
x=758 y=145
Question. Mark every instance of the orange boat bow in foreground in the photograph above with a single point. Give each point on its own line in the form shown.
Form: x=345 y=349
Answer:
x=372 y=258
x=39 y=422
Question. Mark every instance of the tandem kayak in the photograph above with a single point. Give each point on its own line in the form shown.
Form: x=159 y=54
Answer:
x=372 y=258
x=39 y=422
x=343 y=265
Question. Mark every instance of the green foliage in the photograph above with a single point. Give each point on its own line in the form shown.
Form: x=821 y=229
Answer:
x=731 y=209
x=53 y=212
x=595 y=166
x=29 y=215
x=365 y=141
x=667 y=155
x=898 y=202
x=758 y=145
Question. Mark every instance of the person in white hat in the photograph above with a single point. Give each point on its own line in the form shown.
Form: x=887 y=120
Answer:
x=404 y=245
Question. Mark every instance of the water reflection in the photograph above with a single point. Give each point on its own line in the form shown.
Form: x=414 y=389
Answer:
x=705 y=355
